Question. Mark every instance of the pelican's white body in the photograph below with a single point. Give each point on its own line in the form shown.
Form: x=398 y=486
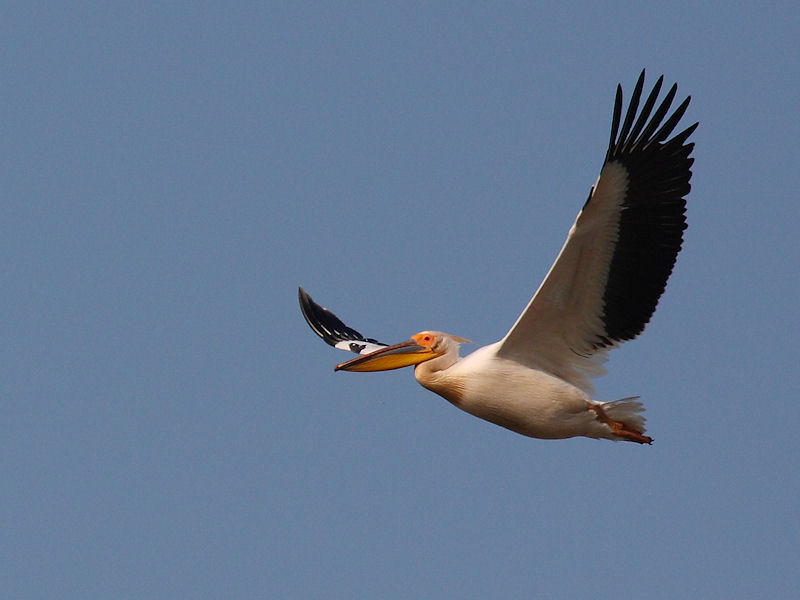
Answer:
x=528 y=401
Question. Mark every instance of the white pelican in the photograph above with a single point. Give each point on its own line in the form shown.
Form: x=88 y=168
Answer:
x=601 y=291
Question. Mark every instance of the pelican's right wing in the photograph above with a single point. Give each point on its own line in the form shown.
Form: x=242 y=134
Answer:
x=331 y=329
x=614 y=266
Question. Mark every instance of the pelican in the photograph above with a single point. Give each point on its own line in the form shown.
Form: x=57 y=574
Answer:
x=601 y=291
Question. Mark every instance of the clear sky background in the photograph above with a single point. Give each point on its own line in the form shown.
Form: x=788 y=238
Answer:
x=172 y=429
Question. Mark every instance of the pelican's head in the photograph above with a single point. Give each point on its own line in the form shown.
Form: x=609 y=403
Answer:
x=423 y=346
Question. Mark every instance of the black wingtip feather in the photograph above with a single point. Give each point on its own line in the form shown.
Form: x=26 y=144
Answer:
x=646 y=109
x=652 y=219
x=615 y=121
x=632 y=107
x=326 y=324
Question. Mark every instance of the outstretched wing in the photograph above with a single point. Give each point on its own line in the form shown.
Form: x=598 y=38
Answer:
x=605 y=284
x=331 y=329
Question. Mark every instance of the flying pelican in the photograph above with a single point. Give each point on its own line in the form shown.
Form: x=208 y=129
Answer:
x=601 y=291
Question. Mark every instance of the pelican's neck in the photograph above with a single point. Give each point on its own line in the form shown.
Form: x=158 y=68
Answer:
x=437 y=376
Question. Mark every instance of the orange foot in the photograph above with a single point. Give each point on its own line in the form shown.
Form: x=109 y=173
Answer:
x=619 y=428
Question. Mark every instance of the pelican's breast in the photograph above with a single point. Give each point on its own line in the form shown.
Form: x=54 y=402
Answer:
x=525 y=400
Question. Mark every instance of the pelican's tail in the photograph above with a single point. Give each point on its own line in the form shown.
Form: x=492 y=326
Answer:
x=628 y=411
x=624 y=419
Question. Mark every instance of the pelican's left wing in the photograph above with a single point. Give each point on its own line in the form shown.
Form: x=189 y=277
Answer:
x=608 y=277
x=331 y=329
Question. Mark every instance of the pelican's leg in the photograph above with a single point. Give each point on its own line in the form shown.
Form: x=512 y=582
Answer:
x=617 y=427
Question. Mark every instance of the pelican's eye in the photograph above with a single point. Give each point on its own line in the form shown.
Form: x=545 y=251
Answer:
x=425 y=339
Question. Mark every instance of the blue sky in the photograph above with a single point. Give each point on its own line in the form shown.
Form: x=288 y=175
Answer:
x=172 y=429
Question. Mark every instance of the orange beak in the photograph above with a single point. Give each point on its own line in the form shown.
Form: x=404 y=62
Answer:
x=398 y=356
